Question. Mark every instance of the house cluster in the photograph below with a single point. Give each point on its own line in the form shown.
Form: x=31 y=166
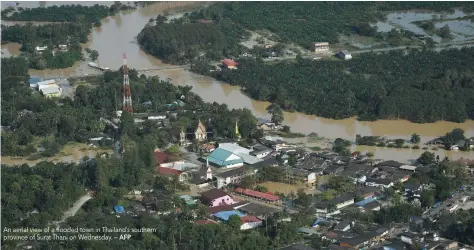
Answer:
x=58 y=48
x=48 y=88
x=221 y=206
x=420 y=235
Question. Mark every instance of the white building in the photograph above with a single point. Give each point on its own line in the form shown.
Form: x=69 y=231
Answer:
x=39 y=49
x=249 y=222
x=321 y=47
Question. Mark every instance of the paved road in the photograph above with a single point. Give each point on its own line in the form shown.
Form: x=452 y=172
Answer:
x=434 y=212
x=75 y=208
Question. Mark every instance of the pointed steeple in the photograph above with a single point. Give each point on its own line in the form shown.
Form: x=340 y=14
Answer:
x=237 y=133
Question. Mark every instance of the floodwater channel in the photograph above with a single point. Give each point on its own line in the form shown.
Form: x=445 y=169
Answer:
x=117 y=35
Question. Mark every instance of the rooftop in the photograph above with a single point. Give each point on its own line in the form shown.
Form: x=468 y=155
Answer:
x=234 y=172
x=335 y=200
x=225 y=215
x=168 y=171
x=257 y=209
x=213 y=194
x=229 y=62
x=219 y=157
x=242 y=152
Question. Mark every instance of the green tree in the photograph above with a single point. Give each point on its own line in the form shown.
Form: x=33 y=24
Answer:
x=415 y=138
x=427 y=198
x=427 y=158
x=277 y=114
x=94 y=55
x=234 y=222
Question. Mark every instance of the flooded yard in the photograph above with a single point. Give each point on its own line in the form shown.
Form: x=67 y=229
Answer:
x=462 y=30
x=74 y=152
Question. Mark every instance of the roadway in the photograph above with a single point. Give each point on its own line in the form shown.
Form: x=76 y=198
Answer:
x=435 y=212
x=74 y=209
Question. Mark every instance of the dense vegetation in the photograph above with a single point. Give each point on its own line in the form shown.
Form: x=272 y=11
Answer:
x=65 y=13
x=78 y=120
x=73 y=27
x=36 y=196
x=180 y=41
x=307 y=22
x=421 y=86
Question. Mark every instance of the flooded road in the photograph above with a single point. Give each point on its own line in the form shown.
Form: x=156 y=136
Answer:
x=118 y=35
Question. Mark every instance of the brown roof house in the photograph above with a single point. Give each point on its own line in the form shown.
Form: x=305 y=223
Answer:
x=216 y=197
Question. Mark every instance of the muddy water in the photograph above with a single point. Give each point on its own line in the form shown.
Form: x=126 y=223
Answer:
x=11 y=49
x=118 y=35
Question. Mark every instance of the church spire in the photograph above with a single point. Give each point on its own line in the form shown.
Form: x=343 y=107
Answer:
x=237 y=133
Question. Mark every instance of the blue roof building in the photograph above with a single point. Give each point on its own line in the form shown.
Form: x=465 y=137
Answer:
x=224 y=158
x=33 y=81
x=119 y=209
x=225 y=215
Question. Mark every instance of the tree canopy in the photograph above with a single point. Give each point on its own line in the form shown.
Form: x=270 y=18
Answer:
x=421 y=86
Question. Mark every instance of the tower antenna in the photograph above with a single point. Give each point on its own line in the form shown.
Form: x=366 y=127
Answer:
x=127 y=95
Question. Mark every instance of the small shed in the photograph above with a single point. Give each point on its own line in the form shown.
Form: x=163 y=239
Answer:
x=119 y=209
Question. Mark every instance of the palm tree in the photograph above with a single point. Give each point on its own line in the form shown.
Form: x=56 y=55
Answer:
x=415 y=138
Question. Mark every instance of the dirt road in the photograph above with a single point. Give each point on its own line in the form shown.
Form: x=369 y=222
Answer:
x=74 y=209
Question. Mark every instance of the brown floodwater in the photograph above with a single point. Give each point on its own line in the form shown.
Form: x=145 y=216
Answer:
x=117 y=35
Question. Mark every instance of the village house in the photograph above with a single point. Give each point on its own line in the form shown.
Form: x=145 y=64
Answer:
x=233 y=176
x=171 y=173
x=51 y=90
x=337 y=202
x=321 y=47
x=216 y=197
x=258 y=210
x=267 y=126
x=230 y=64
x=344 y=225
x=261 y=153
x=345 y=55
x=160 y=157
x=370 y=206
x=207 y=148
x=303 y=176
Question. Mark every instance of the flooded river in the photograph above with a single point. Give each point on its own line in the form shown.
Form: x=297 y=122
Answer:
x=118 y=35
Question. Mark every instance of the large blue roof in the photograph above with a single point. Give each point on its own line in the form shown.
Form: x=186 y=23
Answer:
x=219 y=157
x=225 y=215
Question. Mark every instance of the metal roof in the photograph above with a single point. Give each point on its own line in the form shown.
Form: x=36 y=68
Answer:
x=219 y=156
x=50 y=90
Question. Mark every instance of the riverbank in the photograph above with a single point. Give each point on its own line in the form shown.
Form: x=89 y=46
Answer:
x=124 y=28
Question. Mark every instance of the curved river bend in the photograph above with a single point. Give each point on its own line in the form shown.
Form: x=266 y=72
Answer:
x=117 y=35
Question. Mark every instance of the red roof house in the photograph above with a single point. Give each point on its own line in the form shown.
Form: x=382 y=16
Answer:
x=257 y=194
x=229 y=63
x=169 y=171
x=160 y=157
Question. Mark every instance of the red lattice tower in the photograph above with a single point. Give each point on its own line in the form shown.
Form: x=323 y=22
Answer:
x=127 y=95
